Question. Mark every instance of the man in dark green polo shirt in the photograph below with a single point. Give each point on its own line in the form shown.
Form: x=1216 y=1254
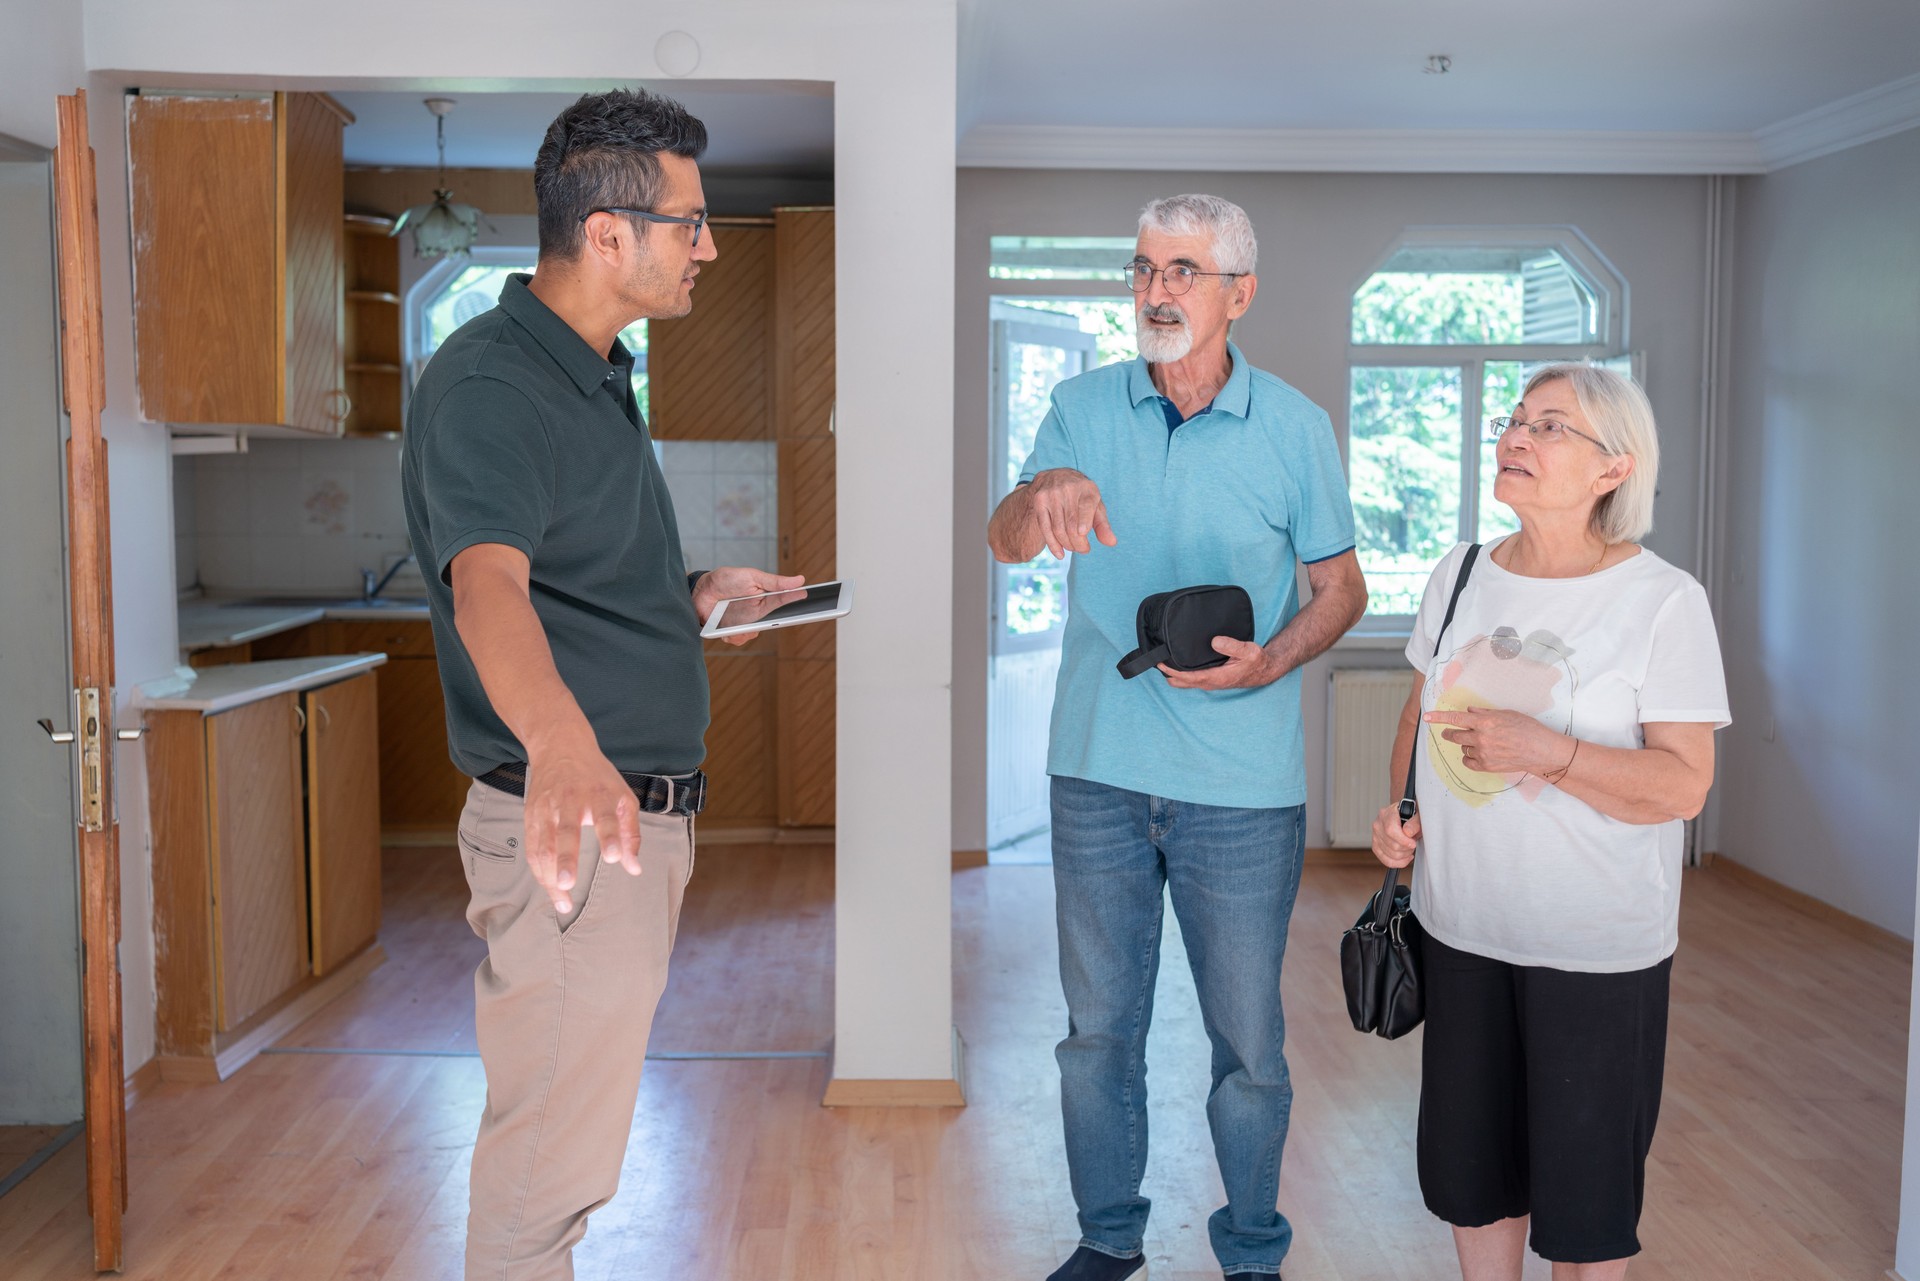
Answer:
x=567 y=629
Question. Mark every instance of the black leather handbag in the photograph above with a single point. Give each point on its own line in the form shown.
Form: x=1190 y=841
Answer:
x=1177 y=628
x=1380 y=955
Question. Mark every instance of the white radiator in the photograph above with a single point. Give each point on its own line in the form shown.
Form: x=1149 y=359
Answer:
x=1363 y=711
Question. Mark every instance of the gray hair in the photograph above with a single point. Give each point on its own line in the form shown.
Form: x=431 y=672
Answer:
x=1623 y=420
x=1234 y=248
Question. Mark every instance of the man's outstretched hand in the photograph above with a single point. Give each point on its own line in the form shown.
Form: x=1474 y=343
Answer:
x=571 y=786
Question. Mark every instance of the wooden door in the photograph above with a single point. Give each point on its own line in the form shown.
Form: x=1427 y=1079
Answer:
x=258 y=856
x=343 y=819
x=90 y=604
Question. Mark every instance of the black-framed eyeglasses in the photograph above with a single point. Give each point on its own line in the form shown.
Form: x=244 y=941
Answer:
x=1545 y=430
x=698 y=222
x=1178 y=278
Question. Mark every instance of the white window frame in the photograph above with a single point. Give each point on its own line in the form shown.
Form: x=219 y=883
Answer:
x=422 y=292
x=1602 y=279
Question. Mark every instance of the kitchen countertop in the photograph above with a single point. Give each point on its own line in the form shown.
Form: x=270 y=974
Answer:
x=213 y=622
x=219 y=689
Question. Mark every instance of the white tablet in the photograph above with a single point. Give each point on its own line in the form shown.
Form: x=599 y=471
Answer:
x=813 y=603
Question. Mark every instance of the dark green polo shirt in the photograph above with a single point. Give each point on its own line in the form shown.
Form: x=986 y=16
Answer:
x=519 y=433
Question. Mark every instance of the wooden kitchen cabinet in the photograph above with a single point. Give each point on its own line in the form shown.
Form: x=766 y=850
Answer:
x=343 y=818
x=238 y=246
x=259 y=889
x=230 y=898
x=803 y=416
x=266 y=866
x=375 y=373
x=421 y=792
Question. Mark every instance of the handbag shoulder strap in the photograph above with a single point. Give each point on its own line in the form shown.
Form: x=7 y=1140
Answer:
x=1383 y=902
x=1407 y=804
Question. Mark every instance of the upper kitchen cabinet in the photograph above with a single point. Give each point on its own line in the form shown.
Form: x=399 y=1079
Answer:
x=237 y=252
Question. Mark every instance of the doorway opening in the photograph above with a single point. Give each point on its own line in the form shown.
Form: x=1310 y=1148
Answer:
x=1058 y=326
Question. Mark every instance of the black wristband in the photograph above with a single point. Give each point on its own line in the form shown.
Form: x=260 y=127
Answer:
x=693 y=580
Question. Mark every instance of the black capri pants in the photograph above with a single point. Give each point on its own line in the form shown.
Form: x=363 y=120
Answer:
x=1538 y=1095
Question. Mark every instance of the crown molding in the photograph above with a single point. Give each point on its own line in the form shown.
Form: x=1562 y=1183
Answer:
x=1359 y=150
x=1877 y=113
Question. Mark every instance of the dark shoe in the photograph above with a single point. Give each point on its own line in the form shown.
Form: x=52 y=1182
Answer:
x=1088 y=1264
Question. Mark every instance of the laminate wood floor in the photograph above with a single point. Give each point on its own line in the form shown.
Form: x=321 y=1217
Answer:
x=1777 y=1157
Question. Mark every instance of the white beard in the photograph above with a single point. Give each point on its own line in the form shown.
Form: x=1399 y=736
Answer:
x=1163 y=346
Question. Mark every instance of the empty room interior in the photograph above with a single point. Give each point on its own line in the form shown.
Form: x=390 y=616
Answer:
x=238 y=1029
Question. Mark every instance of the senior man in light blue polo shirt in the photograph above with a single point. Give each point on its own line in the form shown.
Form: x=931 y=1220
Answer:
x=1188 y=466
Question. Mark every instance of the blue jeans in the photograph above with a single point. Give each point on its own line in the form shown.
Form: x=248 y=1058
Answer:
x=1233 y=874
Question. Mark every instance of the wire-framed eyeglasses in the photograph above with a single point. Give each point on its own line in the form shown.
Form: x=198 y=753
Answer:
x=1545 y=430
x=1178 y=278
x=698 y=222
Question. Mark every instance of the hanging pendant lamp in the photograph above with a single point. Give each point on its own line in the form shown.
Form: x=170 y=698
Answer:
x=442 y=229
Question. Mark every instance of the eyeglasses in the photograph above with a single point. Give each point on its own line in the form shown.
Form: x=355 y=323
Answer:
x=697 y=222
x=1546 y=431
x=1178 y=278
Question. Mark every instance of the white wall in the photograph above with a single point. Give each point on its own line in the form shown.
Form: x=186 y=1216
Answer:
x=1320 y=234
x=892 y=65
x=46 y=40
x=1820 y=612
x=43 y=59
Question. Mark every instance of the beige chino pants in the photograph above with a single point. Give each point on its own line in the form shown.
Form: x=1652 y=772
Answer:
x=563 y=1005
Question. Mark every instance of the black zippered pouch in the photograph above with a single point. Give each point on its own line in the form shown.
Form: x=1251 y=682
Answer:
x=1177 y=628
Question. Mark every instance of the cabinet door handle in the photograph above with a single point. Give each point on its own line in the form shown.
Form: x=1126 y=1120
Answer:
x=300 y=718
x=325 y=719
x=339 y=404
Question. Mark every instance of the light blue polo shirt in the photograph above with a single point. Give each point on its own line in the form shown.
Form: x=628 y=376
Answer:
x=1237 y=495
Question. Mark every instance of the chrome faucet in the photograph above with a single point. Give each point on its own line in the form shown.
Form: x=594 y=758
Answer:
x=370 y=589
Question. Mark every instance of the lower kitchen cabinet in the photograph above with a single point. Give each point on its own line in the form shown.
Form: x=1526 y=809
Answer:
x=421 y=791
x=343 y=817
x=257 y=859
x=266 y=863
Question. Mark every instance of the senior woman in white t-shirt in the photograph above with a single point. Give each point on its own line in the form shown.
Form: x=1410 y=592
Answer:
x=1566 y=732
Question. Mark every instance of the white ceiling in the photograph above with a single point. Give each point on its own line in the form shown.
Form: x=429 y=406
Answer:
x=1625 y=65
x=764 y=127
x=1636 y=85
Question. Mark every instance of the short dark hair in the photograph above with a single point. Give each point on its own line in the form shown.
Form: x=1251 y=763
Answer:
x=605 y=150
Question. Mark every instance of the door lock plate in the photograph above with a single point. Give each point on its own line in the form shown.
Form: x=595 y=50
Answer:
x=93 y=807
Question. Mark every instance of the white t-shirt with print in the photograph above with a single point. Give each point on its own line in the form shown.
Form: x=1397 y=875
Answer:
x=1511 y=867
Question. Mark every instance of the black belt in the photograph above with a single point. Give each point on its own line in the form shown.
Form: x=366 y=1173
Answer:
x=657 y=793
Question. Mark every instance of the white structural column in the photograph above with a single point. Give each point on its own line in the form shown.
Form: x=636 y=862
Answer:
x=892 y=67
x=894 y=193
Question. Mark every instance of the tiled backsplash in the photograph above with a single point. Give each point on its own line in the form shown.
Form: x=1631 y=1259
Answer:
x=725 y=496
x=310 y=515
x=292 y=515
